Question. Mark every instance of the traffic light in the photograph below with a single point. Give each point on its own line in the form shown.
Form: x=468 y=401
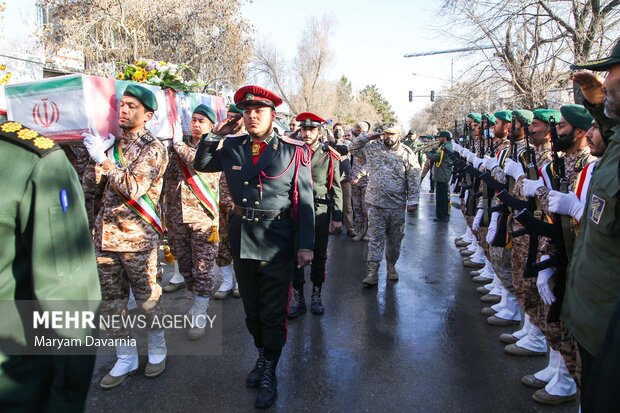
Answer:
x=432 y=95
x=410 y=96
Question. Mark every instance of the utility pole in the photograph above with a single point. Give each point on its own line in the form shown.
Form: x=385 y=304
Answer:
x=436 y=52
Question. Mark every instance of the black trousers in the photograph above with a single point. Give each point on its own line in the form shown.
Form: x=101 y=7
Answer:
x=442 y=200
x=265 y=288
x=431 y=179
x=45 y=383
x=317 y=268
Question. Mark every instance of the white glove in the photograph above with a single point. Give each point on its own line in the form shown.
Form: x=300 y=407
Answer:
x=478 y=162
x=492 y=227
x=530 y=186
x=513 y=168
x=490 y=162
x=542 y=283
x=471 y=157
x=566 y=204
x=475 y=226
x=457 y=147
x=177 y=133
x=96 y=146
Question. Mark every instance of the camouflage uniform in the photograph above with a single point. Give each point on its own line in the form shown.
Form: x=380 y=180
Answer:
x=554 y=331
x=525 y=288
x=224 y=254
x=192 y=229
x=393 y=182
x=501 y=257
x=358 y=189
x=126 y=245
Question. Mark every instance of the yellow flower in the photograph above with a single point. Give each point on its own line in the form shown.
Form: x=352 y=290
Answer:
x=10 y=127
x=153 y=71
x=162 y=63
x=3 y=67
x=43 y=142
x=121 y=76
x=27 y=134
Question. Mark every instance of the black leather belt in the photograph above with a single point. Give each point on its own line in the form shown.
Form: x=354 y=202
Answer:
x=322 y=201
x=253 y=214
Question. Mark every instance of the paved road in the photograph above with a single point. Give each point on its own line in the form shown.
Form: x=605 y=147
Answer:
x=419 y=345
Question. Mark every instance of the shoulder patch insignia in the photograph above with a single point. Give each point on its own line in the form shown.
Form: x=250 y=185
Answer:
x=21 y=135
x=597 y=207
x=292 y=141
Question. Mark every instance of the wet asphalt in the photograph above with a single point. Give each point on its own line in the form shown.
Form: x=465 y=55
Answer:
x=416 y=345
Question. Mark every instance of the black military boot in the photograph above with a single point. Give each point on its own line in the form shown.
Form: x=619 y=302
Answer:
x=298 y=303
x=316 y=306
x=268 y=387
x=255 y=375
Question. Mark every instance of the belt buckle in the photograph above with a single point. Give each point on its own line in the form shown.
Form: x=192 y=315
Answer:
x=249 y=214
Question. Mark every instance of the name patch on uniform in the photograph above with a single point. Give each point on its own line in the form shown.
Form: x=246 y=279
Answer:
x=236 y=167
x=597 y=206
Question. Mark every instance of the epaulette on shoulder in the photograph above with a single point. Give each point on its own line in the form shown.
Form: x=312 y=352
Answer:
x=147 y=137
x=333 y=152
x=286 y=139
x=19 y=134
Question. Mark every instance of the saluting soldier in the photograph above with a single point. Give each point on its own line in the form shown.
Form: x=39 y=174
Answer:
x=192 y=216
x=393 y=185
x=327 y=210
x=128 y=229
x=48 y=255
x=271 y=225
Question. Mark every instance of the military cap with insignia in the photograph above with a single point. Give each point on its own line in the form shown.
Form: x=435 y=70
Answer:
x=577 y=116
x=205 y=110
x=309 y=119
x=257 y=96
x=544 y=115
x=391 y=131
x=475 y=116
x=505 y=115
x=601 y=65
x=445 y=134
x=523 y=116
x=144 y=96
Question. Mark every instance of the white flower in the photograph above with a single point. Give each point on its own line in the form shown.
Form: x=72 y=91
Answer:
x=155 y=80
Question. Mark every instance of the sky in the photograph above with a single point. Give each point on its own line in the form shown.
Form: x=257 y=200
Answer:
x=369 y=42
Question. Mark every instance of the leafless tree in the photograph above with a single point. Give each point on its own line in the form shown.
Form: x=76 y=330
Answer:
x=208 y=35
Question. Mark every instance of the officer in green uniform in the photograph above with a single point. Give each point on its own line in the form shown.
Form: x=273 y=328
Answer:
x=271 y=224
x=47 y=254
x=327 y=209
x=593 y=286
x=442 y=164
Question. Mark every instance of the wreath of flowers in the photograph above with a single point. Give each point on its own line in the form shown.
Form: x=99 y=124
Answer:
x=166 y=75
x=7 y=75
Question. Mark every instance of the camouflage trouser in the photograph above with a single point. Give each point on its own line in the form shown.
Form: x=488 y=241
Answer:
x=481 y=236
x=196 y=255
x=525 y=288
x=386 y=228
x=559 y=340
x=120 y=270
x=347 y=206
x=501 y=258
x=224 y=254
x=360 y=207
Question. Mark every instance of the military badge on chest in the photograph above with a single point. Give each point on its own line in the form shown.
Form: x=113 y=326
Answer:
x=255 y=149
x=597 y=206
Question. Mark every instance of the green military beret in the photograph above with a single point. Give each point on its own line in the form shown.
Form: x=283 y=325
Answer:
x=601 y=64
x=577 y=116
x=491 y=118
x=445 y=134
x=145 y=96
x=504 y=115
x=205 y=110
x=476 y=117
x=233 y=108
x=523 y=116
x=546 y=114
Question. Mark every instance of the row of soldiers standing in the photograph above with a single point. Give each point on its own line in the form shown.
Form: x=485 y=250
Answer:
x=534 y=184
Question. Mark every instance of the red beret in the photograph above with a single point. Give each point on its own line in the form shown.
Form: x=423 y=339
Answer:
x=254 y=95
x=309 y=119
